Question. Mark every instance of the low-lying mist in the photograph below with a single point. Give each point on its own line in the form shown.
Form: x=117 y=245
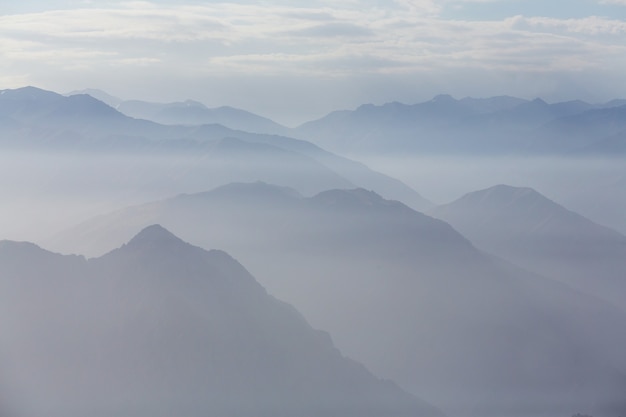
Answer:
x=46 y=192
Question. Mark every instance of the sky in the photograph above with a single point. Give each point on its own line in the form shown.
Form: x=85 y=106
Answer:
x=295 y=61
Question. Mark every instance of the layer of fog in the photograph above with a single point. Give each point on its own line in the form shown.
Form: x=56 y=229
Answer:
x=43 y=193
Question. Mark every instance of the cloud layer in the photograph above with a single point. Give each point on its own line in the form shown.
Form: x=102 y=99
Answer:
x=250 y=47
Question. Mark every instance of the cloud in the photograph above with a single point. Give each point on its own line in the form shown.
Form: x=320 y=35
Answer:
x=322 y=40
x=592 y=25
x=618 y=2
x=309 y=15
x=333 y=30
x=182 y=24
x=280 y=38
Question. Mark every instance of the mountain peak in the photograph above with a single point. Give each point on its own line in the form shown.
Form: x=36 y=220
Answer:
x=154 y=235
x=539 y=101
x=193 y=103
x=30 y=93
x=443 y=98
x=504 y=189
x=505 y=194
x=99 y=95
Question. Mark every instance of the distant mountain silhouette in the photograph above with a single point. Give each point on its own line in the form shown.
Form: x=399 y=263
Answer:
x=491 y=104
x=444 y=125
x=496 y=125
x=159 y=327
x=523 y=226
x=405 y=294
x=82 y=114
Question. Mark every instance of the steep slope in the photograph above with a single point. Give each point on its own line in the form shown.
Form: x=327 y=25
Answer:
x=159 y=327
x=408 y=296
x=523 y=226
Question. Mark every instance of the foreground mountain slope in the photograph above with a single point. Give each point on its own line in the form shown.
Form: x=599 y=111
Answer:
x=408 y=296
x=159 y=327
x=523 y=226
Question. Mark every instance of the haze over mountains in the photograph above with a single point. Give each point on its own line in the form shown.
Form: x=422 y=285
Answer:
x=159 y=328
x=406 y=295
x=538 y=332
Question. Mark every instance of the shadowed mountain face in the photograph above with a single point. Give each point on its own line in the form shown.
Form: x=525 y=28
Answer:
x=523 y=226
x=408 y=296
x=160 y=328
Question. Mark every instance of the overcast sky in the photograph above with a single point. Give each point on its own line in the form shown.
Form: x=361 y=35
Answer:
x=295 y=60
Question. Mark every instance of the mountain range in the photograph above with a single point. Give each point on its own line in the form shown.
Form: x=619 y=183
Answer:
x=75 y=145
x=159 y=327
x=494 y=126
x=406 y=295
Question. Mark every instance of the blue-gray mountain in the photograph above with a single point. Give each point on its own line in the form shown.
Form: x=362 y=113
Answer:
x=523 y=226
x=443 y=125
x=407 y=295
x=188 y=112
x=159 y=327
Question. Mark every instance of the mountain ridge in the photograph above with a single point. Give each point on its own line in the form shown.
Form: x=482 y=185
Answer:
x=144 y=330
x=444 y=125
